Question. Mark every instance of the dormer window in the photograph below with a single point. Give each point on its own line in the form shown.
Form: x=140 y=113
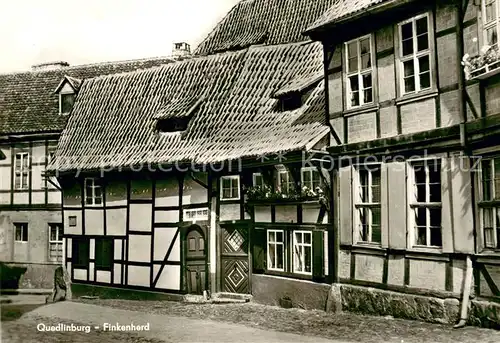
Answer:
x=66 y=102
x=292 y=102
x=176 y=114
x=172 y=124
x=67 y=90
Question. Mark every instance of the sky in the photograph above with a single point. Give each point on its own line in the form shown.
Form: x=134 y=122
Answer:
x=89 y=31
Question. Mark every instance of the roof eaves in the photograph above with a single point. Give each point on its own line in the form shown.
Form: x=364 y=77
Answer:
x=354 y=16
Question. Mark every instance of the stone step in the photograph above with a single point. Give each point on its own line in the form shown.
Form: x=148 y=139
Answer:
x=235 y=296
x=218 y=298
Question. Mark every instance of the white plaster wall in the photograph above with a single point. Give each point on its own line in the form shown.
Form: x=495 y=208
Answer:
x=138 y=276
x=169 y=278
x=139 y=248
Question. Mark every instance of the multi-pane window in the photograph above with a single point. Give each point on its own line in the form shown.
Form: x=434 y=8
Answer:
x=93 y=192
x=80 y=253
x=367 y=203
x=55 y=242
x=491 y=22
x=21 y=232
x=275 y=250
x=302 y=252
x=425 y=203
x=310 y=178
x=21 y=171
x=196 y=214
x=104 y=253
x=415 y=54
x=490 y=210
x=285 y=181
x=66 y=102
x=359 y=72
x=230 y=187
x=258 y=180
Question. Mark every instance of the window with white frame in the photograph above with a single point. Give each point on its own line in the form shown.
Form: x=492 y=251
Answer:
x=491 y=22
x=415 y=54
x=21 y=232
x=359 y=71
x=258 y=180
x=425 y=203
x=302 y=252
x=310 y=178
x=55 y=242
x=488 y=204
x=93 y=192
x=276 y=250
x=230 y=187
x=285 y=181
x=367 y=203
x=21 y=171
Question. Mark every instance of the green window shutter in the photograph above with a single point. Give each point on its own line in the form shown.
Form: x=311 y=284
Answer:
x=457 y=215
x=345 y=205
x=259 y=241
x=397 y=204
x=318 y=255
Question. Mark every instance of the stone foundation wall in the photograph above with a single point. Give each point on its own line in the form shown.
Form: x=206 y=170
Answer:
x=269 y=290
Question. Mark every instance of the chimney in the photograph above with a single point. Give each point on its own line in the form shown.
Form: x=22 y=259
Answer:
x=49 y=66
x=181 y=49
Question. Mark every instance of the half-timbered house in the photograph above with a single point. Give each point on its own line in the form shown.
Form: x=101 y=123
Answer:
x=190 y=176
x=34 y=108
x=417 y=150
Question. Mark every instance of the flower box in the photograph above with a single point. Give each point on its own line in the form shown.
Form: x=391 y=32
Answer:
x=485 y=72
x=484 y=65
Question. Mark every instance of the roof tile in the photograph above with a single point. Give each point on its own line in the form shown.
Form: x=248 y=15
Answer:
x=112 y=123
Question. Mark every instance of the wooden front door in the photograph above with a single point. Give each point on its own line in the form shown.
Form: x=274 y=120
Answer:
x=196 y=258
x=235 y=259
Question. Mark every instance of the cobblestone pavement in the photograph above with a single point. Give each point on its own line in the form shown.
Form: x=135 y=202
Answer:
x=345 y=326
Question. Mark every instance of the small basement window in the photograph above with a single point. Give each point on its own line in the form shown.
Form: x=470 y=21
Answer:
x=172 y=124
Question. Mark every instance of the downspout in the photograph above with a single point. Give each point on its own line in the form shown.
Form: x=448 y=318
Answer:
x=460 y=14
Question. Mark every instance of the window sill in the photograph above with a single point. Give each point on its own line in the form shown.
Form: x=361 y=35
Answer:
x=368 y=248
x=417 y=252
x=361 y=109
x=423 y=95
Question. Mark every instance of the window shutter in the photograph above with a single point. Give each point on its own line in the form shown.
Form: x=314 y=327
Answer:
x=384 y=205
x=397 y=205
x=318 y=255
x=345 y=205
x=456 y=221
x=259 y=250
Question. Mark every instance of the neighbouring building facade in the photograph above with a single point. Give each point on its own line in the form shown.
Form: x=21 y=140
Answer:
x=34 y=108
x=417 y=153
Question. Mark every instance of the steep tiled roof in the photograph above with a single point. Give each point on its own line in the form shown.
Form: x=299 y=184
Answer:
x=342 y=9
x=113 y=120
x=28 y=103
x=268 y=22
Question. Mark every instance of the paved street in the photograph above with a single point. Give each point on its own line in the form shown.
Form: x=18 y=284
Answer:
x=162 y=328
x=184 y=322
